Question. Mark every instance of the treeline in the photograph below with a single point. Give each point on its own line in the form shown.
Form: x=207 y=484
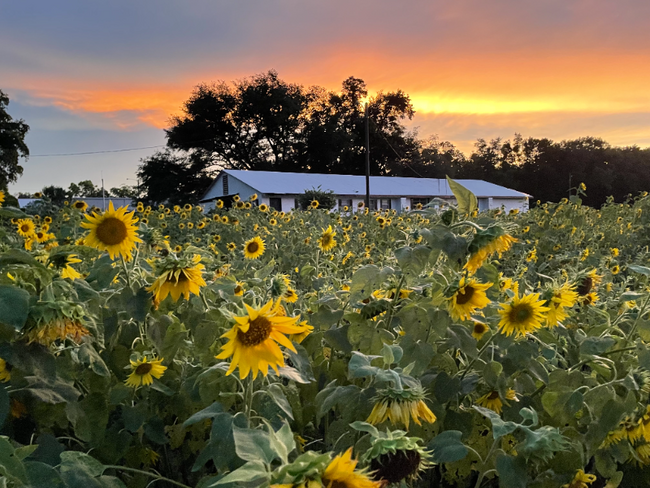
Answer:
x=265 y=123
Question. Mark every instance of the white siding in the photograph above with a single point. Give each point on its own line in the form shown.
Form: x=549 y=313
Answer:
x=235 y=186
x=509 y=204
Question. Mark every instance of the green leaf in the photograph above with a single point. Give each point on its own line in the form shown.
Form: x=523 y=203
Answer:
x=596 y=345
x=12 y=213
x=41 y=475
x=5 y=405
x=639 y=269
x=467 y=201
x=276 y=393
x=365 y=427
x=447 y=447
x=207 y=413
x=499 y=427
x=359 y=365
x=364 y=282
x=251 y=471
x=512 y=471
x=629 y=296
x=14 y=306
x=86 y=354
x=254 y=445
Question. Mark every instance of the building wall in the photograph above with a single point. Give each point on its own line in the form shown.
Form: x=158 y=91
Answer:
x=510 y=203
x=235 y=187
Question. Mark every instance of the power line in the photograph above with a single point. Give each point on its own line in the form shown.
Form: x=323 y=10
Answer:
x=94 y=152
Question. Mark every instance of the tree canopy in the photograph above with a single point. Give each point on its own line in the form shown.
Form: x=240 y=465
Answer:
x=12 y=144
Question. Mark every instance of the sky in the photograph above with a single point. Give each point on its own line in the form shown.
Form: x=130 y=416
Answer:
x=90 y=76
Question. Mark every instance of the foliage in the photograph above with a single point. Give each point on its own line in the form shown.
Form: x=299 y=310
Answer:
x=12 y=144
x=474 y=407
x=325 y=199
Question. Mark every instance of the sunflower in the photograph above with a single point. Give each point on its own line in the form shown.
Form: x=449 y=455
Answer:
x=254 y=248
x=485 y=243
x=469 y=297
x=340 y=473
x=479 y=329
x=395 y=457
x=326 y=241
x=400 y=407
x=290 y=295
x=263 y=207
x=493 y=401
x=178 y=278
x=253 y=340
x=563 y=297
x=219 y=204
x=144 y=371
x=80 y=205
x=273 y=222
x=57 y=321
x=5 y=372
x=581 y=480
x=231 y=246
x=588 y=282
x=25 y=227
x=239 y=289
x=68 y=271
x=2 y=197
x=314 y=204
x=615 y=269
x=522 y=315
x=181 y=225
x=114 y=231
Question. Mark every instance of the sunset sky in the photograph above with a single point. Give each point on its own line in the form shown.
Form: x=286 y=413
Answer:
x=93 y=76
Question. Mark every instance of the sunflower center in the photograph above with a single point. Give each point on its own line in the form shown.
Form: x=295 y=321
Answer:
x=464 y=295
x=585 y=286
x=520 y=314
x=111 y=231
x=326 y=239
x=24 y=228
x=253 y=247
x=479 y=328
x=394 y=467
x=493 y=396
x=143 y=369
x=258 y=331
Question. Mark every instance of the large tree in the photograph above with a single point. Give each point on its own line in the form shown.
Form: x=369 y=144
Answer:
x=12 y=144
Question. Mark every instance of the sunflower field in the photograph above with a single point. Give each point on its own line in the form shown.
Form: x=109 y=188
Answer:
x=246 y=347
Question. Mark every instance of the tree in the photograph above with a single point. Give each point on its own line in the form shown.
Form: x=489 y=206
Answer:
x=174 y=178
x=12 y=144
x=55 y=194
x=85 y=188
x=126 y=191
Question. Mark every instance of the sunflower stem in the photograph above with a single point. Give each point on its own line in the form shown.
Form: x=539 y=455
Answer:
x=398 y=289
x=146 y=473
x=126 y=273
x=248 y=400
x=482 y=350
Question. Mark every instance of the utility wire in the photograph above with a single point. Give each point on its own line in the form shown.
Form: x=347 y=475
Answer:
x=94 y=152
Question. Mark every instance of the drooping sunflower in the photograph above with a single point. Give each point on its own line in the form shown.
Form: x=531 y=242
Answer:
x=144 y=371
x=68 y=271
x=581 y=480
x=485 y=243
x=400 y=407
x=563 y=297
x=326 y=241
x=25 y=227
x=114 y=231
x=394 y=457
x=340 y=473
x=522 y=315
x=56 y=320
x=469 y=297
x=492 y=400
x=178 y=277
x=253 y=340
x=254 y=248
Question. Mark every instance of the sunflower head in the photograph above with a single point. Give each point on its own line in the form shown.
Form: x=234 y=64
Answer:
x=254 y=248
x=113 y=231
x=342 y=473
x=400 y=406
x=60 y=320
x=176 y=277
x=143 y=371
x=522 y=315
x=469 y=296
x=326 y=241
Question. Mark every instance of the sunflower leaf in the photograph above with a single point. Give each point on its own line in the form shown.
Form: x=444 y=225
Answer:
x=467 y=201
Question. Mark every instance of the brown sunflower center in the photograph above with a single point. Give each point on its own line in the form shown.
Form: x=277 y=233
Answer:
x=394 y=467
x=25 y=228
x=493 y=396
x=585 y=286
x=520 y=313
x=252 y=247
x=479 y=328
x=258 y=331
x=143 y=369
x=326 y=240
x=464 y=295
x=111 y=231
x=79 y=205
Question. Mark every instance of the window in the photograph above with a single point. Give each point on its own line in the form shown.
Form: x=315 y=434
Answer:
x=373 y=204
x=422 y=201
x=345 y=202
x=276 y=203
x=483 y=204
x=384 y=203
x=224 y=180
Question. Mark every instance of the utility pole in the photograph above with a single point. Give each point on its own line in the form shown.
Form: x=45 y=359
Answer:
x=570 y=175
x=367 y=158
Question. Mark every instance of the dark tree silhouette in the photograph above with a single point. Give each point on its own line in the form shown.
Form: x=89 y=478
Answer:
x=12 y=144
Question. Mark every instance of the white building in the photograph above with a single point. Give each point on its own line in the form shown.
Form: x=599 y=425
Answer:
x=281 y=190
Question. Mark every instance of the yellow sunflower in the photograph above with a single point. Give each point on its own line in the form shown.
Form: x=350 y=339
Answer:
x=253 y=340
x=314 y=204
x=326 y=241
x=493 y=401
x=25 y=227
x=68 y=271
x=178 y=280
x=231 y=246
x=263 y=207
x=469 y=297
x=581 y=480
x=479 y=329
x=290 y=295
x=80 y=205
x=563 y=297
x=5 y=373
x=522 y=315
x=340 y=473
x=144 y=371
x=254 y=248
x=2 y=197
x=400 y=407
x=484 y=245
x=114 y=231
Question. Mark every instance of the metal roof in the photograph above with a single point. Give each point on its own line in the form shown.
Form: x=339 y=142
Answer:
x=280 y=183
